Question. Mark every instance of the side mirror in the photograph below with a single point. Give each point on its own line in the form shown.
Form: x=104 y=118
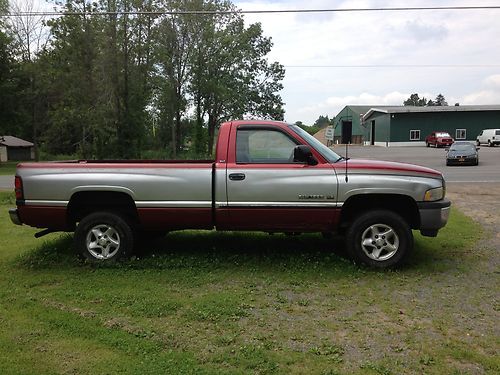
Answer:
x=303 y=154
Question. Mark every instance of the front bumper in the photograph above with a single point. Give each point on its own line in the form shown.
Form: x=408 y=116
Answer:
x=14 y=216
x=433 y=216
x=461 y=161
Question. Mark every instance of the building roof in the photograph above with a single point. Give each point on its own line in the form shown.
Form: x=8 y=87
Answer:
x=434 y=109
x=10 y=141
x=362 y=109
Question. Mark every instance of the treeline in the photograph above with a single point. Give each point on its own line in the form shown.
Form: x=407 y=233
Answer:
x=122 y=84
x=415 y=100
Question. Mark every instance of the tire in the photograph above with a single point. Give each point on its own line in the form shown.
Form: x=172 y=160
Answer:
x=103 y=237
x=490 y=144
x=478 y=143
x=380 y=239
x=427 y=144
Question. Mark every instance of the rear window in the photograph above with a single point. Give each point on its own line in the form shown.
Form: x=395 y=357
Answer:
x=443 y=135
x=497 y=132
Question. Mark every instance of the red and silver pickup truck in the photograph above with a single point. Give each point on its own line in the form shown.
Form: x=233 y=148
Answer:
x=266 y=176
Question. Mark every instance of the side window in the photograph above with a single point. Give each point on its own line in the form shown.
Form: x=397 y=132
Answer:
x=460 y=134
x=263 y=146
x=414 y=135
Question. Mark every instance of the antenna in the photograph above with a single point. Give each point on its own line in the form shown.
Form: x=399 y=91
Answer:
x=346 y=161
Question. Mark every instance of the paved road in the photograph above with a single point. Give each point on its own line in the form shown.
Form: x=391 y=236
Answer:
x=6 y=182
x=488 y=169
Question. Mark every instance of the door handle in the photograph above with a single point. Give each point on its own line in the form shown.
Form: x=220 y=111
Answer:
x=237 y=176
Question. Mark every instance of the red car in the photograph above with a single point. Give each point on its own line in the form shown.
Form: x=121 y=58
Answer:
x=438 y=139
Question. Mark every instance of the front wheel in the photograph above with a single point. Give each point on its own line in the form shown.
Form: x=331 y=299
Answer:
x=103 y=237
x=380 y=239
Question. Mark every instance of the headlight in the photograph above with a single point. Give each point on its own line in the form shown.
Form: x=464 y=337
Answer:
x=434 y=194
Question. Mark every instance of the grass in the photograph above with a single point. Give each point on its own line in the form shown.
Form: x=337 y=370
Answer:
x=230 y=303
x=8 y=168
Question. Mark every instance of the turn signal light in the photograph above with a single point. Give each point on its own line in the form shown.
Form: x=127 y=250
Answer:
x=18 y=185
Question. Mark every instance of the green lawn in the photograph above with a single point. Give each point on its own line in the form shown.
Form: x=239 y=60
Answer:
x=8 y=168
x=206 y=302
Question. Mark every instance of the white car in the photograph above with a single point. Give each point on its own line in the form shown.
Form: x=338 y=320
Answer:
x=491 y=137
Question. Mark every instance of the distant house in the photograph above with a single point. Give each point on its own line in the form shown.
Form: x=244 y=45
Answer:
x=15 y=149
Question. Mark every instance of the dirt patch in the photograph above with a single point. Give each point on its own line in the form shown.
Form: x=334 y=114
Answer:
x=481 y=202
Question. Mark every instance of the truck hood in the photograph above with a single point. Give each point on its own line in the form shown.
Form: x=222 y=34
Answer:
x=385 y=167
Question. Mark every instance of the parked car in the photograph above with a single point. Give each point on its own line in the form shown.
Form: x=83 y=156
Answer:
x=491 y=137
x=438 y=139
x=462 y=153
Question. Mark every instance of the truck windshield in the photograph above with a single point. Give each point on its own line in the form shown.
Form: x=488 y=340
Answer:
x=328 y=154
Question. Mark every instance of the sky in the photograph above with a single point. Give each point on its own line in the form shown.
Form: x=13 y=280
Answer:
x=444 y=37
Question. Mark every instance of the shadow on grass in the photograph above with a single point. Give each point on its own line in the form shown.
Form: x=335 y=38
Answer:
x=204 y=251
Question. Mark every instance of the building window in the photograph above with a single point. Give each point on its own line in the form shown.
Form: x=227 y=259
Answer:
x=414 y=135
x=460 y=134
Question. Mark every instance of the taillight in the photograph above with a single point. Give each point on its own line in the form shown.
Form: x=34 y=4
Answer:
x=18 y=184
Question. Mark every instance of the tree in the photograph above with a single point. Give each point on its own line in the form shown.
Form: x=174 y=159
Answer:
x=231 y=75
x=104 y=82
x=440 y=100
x=415 y=100
x=15 y=93
x=7 y=80
x=323 y=122
x=31 y=37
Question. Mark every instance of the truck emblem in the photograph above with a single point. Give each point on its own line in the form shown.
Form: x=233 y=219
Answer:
x=311 y=196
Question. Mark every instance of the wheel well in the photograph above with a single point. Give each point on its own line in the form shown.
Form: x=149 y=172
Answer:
x=83 y=203
x=403 y=205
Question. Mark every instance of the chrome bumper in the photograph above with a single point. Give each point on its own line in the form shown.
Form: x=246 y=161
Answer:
x=433 y=216
x=14 y=216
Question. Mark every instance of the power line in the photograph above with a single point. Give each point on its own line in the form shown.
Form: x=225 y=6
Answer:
x=226 y=12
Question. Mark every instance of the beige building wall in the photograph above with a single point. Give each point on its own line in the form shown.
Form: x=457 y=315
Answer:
x=3 y=153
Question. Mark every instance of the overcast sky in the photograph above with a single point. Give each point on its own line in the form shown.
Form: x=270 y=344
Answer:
x=457 y=37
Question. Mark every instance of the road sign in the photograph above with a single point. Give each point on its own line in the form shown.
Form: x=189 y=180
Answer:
x=329 y=133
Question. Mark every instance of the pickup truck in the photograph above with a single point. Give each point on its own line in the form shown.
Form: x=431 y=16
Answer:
x=267 y=176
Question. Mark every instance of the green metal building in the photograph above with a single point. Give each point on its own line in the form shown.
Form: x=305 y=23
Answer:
x=408 y=126
x=347 y=124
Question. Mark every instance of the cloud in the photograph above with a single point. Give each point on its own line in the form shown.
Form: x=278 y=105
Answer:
x=422 y=32
x=493 y=81
x=334 y=104
x=380 y=39
x=488 y=93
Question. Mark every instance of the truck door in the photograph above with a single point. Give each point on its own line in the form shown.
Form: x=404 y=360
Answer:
x=267 y=190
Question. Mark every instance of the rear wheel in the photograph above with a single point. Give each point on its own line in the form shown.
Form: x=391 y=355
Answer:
x=103 y=237
x=380 y=239
x=427 y=144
